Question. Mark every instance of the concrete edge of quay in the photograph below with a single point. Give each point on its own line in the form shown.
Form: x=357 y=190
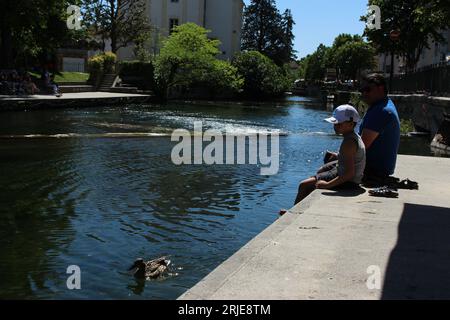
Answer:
x=71 y=100
x=217 y=278
x=330 y=262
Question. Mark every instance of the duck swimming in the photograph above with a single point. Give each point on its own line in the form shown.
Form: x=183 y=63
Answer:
x=149 y=269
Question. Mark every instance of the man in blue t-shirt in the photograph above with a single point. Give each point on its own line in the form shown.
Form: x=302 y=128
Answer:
x=380 y=129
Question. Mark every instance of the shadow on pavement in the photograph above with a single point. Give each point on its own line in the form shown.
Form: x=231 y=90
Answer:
x=419 y=265
x=353 y=192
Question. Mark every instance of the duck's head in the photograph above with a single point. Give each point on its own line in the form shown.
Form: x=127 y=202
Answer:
x=164 y=262
x=138 y=265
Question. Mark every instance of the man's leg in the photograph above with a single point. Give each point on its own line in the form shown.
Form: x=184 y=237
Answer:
x=373 y=179
x=306 y=187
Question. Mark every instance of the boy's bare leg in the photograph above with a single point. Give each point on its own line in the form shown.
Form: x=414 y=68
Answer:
x=306 y=187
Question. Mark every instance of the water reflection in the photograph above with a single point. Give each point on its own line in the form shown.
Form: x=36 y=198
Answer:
x=38 y=194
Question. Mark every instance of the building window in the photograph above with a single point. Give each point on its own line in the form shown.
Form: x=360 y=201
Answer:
x=172 y=24
x=173 y=0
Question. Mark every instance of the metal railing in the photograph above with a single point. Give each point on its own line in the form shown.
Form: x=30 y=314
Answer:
x=433 y=80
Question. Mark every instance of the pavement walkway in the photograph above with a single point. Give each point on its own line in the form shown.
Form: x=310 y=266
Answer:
x=340 y=245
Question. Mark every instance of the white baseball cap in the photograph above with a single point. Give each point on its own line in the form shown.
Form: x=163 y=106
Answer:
x=344 y=113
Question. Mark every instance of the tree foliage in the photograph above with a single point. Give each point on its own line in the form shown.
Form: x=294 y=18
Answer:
x=317 y=63
x=302 y=63
x=262 y=77
x=102 y=62
x=417 y=20
x=268 y=31
x=350 y=55
x=32 y=30
x=188 y=57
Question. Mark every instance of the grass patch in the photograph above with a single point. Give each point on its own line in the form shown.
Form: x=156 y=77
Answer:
x=67 y=76
x=72 y=77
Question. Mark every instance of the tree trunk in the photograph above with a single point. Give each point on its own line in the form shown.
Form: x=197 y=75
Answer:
x=261 y=32
x=113 y=27
x=6 y=48
x=113 y=39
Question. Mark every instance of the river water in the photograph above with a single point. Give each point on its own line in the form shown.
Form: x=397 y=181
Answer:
x=96 y=188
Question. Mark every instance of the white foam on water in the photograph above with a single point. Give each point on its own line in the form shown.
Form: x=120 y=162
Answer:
x=223 y=125
x=230 y=130
x=87 y=135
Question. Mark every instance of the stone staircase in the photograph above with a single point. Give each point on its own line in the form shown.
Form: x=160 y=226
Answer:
x=107 y=82
x=125 y=88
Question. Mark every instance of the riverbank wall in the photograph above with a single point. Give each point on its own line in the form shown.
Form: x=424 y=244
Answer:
x=70 y=100
x=348 y=245
x=426 y=112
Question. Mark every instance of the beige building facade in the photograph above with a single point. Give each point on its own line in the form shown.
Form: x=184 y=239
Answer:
x=222 y=17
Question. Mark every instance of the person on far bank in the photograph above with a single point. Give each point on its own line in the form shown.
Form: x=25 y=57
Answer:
x=348 y=171
x=379 y=130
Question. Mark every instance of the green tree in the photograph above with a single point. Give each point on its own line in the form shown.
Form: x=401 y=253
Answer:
x=417 y=20
x=302 y=67
x=267 y=31
x=222 y=77
x=354 y=57
x=121 y=21
x=188 y=57
x=344 y=38
x=32 y=30
x=286 y=52
x=350 y=55
x=262 y=77
x=142 y=43
x=292 y=71
x=317 y=63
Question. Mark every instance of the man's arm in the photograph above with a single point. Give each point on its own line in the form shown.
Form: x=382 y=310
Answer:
x=368 y=137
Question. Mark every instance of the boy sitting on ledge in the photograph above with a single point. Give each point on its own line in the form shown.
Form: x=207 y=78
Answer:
x=348 y=170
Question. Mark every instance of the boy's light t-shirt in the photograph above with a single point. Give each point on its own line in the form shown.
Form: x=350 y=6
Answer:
x=360 y=157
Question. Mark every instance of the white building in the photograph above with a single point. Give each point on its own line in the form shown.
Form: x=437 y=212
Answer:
x=436 y=54
x=222 y=17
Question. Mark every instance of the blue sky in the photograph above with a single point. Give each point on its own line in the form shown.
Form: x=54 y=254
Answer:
x=320 y=21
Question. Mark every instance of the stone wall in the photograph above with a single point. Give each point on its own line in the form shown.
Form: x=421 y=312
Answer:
x=426 y=112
